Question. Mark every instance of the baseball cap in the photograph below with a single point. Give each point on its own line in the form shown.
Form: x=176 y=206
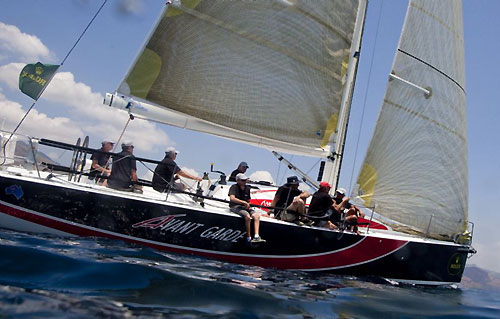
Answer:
x=107 y=141
x=127 y=144
x=244 y=164
x=241 y=177
x=341 y=191
x=171 y=150
x=325 y=184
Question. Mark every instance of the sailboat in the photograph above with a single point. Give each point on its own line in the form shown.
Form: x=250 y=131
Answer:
x=280 y=75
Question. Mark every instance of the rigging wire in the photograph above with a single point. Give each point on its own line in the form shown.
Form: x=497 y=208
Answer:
x=43 y=89
x=314 y=165
x=284 y=172
x=366 y=94
x=278 y=174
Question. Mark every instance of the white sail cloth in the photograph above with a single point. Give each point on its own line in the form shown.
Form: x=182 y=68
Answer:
x=270 y=70
x=415 y=170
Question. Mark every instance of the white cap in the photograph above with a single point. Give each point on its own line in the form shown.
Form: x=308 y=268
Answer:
x=171 y=150
x=341 y=191
x=105 y=141
x=241 y=177
x=127 y=144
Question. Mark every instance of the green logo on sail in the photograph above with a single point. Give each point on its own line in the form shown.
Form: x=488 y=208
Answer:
x=35 y=77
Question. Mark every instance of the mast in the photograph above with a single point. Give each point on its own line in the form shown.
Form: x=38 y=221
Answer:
x=334 y=162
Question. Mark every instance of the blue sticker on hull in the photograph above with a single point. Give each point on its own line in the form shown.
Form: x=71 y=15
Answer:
x=15 y=190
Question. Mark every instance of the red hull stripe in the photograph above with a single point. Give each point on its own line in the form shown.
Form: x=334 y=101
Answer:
x=366 y=250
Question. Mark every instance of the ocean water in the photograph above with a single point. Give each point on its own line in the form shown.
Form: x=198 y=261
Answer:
x=51 y=277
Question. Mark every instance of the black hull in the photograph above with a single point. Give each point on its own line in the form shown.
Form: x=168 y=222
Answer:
x=195 y=230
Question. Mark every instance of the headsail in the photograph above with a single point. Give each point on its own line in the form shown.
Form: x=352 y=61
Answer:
x=273 y=72
x=415 y=170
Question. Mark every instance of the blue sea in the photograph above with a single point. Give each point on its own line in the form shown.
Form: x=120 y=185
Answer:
x=51 y=277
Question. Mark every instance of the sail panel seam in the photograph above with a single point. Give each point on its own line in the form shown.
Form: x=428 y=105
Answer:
x=424 y=117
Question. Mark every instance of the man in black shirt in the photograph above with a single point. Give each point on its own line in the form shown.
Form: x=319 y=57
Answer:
x=289 y=200
x=124 y=173
x=100 y=162
x=322 y=205
x=242 y=168
x=165 y=173
x=352 y=212
x=239 y=203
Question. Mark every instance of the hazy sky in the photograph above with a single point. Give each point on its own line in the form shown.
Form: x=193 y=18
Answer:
x=32 y=31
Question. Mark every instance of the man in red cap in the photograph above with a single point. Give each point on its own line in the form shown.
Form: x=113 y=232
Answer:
x=322 y=205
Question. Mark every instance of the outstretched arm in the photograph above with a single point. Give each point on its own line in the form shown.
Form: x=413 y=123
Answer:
x=187 y=175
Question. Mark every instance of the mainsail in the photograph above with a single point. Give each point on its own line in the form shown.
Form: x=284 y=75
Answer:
x=415 y=170
x=264 y=72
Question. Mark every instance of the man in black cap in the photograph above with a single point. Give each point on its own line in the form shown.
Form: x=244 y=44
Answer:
x=99 y=166
x=124 y=173
x=165 y=173
x=242 y=168
x=289 y=201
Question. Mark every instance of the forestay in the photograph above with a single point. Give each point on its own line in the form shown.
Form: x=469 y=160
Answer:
x=264 y=72
x=415 y=170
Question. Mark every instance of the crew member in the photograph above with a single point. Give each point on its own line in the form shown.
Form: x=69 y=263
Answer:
x=99 y=166
x=289 y=201
x=165 y=175
x=239 y=203
x=124 y=171
x=242 y=168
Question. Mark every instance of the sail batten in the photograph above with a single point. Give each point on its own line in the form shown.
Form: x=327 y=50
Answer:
x=415 y=169
x=275 y=70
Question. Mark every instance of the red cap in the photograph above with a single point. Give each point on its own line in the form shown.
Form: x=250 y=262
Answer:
x=325 y=184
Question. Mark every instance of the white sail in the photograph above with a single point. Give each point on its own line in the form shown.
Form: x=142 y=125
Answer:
x=415 y=170
x=272 y=71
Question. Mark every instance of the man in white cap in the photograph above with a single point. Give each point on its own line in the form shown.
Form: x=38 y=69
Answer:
x=166 y=172
x=341 y=205
x=124 y=173
x=239 y=203
x=242 y=168
x=99 y=166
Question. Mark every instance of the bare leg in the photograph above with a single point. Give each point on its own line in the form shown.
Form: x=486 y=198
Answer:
x=297 y=206
x=247 y=225
x=256 y=223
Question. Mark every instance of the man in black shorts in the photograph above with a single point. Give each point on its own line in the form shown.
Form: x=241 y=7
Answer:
x=99 y=166
x=239 y=203
x=322 y=205
x=124 y=173
x=166 y=172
